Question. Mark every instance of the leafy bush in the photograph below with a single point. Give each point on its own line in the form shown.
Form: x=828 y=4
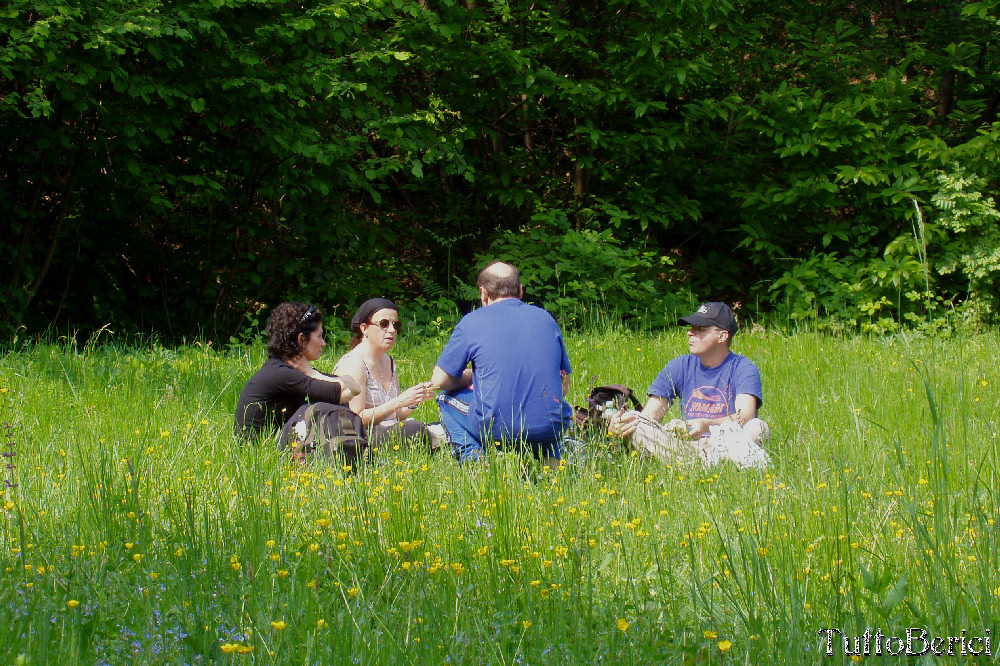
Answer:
x=971 y=245
x=847 y=294
x=177 y=167
x=570 y=272
x=820 y=286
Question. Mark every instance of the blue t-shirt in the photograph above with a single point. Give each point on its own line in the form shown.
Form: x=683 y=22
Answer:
x=707 y=393
x=516 y=351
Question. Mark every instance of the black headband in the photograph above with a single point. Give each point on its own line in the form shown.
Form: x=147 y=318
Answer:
x=367 y=309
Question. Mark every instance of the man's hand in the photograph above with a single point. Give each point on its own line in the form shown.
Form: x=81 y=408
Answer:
x=623 y=423
x=698 y=428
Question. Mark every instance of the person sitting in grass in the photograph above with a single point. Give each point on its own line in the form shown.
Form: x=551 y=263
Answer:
x=287 y=379
x=384 y=410
x=504 y=372
x=715 y=387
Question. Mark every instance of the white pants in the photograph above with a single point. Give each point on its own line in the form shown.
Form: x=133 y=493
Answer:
x=728 y=440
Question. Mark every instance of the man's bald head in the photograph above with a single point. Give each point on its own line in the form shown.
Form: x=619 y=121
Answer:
x=500 y=280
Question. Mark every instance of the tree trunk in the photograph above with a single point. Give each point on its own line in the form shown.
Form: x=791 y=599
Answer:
x=60 y=217
x=946 y=96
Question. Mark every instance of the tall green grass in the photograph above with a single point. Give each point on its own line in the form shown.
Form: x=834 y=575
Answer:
x=140 y=531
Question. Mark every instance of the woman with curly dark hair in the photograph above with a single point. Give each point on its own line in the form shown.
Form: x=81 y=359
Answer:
x=287 y=379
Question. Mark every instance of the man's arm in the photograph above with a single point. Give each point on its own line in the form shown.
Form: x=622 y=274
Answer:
x=746 y=409
x=624 y=423
x=656 y=408
x=442 y=380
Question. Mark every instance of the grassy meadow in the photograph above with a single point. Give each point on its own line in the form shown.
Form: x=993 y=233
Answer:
x=134 y=529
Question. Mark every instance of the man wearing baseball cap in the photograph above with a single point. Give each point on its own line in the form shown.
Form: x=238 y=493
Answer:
x=714 y=386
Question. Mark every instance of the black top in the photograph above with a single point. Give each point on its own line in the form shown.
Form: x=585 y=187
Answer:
x=274 y=393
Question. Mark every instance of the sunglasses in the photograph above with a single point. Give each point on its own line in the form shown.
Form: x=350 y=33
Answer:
x=308 y=313
x=386 y=323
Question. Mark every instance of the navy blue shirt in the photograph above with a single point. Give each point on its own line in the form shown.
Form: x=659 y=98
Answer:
x=707 y=393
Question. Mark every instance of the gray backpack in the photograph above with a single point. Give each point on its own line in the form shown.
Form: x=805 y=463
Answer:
x=326 y=429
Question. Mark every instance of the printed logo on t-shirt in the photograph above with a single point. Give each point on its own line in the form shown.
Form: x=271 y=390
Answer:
x=706 y=402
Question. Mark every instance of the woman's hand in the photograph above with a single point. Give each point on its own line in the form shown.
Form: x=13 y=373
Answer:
x=349 y=388
x=416 y=394
x=301 y=364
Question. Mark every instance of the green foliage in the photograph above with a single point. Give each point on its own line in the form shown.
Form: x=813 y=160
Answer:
x=430 y=319
x=571 y=272
x=186 y=157
x=972 y=223
x=818 y=287
x=878 y=295
x=174 y=166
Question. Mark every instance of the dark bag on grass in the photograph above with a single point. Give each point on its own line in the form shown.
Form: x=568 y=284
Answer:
x=325 y=429
x=601 y=399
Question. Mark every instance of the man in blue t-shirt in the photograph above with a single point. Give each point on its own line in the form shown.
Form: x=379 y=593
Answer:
x=713 y=384
x=504 y=373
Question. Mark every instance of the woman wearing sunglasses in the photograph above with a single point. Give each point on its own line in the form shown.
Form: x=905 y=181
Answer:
x=384 y=410
x=287 y=379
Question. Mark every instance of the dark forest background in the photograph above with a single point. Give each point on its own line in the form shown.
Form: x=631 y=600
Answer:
x=178 y=167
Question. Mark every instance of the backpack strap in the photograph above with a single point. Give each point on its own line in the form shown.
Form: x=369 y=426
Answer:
x=628 y=393
x=311 y=428
x=635 y=400
x=346 y=424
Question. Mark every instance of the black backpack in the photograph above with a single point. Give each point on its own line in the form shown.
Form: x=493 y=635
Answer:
x=601 y=399
x=324 y=428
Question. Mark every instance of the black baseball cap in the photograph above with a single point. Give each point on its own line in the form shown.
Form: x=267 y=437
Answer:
x=712 y=314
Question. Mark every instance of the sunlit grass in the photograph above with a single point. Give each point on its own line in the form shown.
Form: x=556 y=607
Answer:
x=140 y=531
